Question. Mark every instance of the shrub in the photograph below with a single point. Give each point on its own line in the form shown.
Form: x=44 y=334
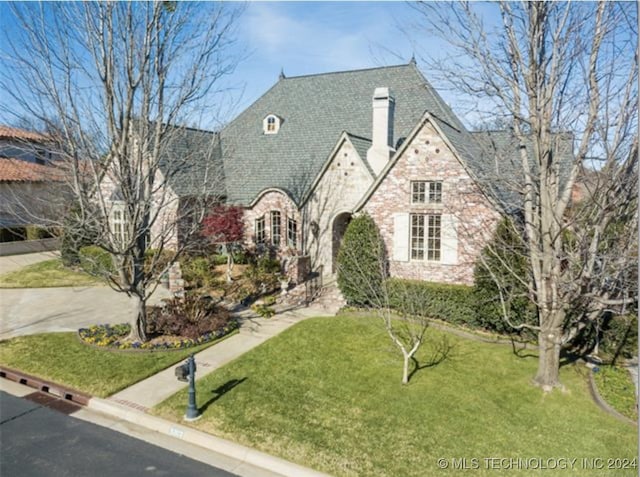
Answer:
x=37 y=233
x=191 y=317
x=199 y=272
x=219 y=259
x=361 y=262
x=619 y=336
x=505 y=258
x=96 y=261
x=451 y=303
x=263 y=271
x=241 y=257
x=13 y=234
x=264 y=310
x=76 y=234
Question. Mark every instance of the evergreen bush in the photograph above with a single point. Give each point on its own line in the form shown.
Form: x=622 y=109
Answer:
x=362 y=263
x=505 y=258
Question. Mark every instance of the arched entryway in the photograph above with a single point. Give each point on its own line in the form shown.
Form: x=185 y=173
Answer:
x=339 y=227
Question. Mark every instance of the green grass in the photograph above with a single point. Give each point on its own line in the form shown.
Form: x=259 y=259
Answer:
x=327 y=394
x=61 y=358
x=616 y=387
x=49 y=273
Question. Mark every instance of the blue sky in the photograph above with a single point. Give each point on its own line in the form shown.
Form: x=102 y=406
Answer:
x=307 y=38
x=316 y=37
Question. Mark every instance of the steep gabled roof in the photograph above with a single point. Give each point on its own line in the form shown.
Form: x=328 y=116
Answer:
x=191 y=163
x=499 y=164
x=315 y=109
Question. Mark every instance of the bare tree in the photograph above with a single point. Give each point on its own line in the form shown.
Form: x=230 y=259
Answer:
x=565 y=74
x=110 y=81
x=363 y=279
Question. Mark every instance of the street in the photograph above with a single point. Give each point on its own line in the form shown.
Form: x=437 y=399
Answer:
x=38 y=437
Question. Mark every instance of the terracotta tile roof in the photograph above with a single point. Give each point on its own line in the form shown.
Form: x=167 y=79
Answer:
x=16 y=170
x=8 y=132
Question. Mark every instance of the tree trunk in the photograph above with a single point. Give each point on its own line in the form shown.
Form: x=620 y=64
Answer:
x=139 y=323
x=547 y=376
x=405 y=369
x=229 y=265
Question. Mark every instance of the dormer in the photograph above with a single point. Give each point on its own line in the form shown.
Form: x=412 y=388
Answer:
x=271 y=124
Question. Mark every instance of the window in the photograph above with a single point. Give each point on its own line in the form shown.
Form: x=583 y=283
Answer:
x=271 y=124
x=292 y=233
x=260 y=231
x=118 y=223
x=435 y=192
x=425 y=237
x=426 y=192
x=275 y=228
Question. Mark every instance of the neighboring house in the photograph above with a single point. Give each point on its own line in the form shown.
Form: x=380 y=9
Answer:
x=29 y=182
x=314 y=150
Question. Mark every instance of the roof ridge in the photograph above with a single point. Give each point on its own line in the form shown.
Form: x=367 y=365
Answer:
x=446 y=122
x=404 y=65
x=358 y=137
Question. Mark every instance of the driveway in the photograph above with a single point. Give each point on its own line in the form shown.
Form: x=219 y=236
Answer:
x=26 y=311
x=14 y=262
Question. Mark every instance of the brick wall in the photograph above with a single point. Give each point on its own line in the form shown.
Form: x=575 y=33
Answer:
x=273 y=200
x=426 y=158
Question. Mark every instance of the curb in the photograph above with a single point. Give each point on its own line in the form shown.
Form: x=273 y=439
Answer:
x=187 y=434
x=45 y=386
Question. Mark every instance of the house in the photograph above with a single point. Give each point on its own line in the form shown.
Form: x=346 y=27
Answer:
x=29 y=182
x=314 y=150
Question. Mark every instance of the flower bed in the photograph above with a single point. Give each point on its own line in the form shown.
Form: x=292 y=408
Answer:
x=113 y=337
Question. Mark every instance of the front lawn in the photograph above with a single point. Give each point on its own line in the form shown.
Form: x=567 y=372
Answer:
x=326 y=393
x=61 y=358
x=49 y=273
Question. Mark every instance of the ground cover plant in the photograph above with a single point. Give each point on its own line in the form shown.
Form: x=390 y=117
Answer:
x=617 y=389
x=325 y=394
x=62 y=358
x=49 y=273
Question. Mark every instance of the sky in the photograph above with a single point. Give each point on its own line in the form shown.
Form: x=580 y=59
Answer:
x=301 y=38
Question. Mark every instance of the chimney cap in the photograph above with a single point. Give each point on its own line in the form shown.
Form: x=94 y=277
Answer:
x=381 y=93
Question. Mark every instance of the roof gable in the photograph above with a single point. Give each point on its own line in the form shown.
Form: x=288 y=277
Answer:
x=315 y=110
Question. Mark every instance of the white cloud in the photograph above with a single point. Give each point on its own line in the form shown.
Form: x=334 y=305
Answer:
x=314 y=37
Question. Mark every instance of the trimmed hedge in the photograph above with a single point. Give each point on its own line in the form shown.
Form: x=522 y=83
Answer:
x=96 y=261
x=454 y=304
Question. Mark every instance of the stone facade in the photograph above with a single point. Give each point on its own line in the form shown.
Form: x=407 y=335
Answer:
x=165 y=204
x=273 y=200
x=468 y=218
x=344 y=182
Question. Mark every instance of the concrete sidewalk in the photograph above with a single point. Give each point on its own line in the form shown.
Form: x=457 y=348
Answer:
x=10 y=263
x=253 y=331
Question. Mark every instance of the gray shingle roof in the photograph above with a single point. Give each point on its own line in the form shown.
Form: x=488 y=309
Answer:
x=191 y=163
x=499 y=168
x=361 y=146
x=315 y=110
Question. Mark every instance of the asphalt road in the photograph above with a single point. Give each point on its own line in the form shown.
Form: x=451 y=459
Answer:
x=36 y=440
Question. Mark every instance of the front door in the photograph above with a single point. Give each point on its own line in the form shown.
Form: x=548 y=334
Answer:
x=340 y=224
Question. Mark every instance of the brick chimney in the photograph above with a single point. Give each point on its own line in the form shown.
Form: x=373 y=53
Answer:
x=382 y=132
